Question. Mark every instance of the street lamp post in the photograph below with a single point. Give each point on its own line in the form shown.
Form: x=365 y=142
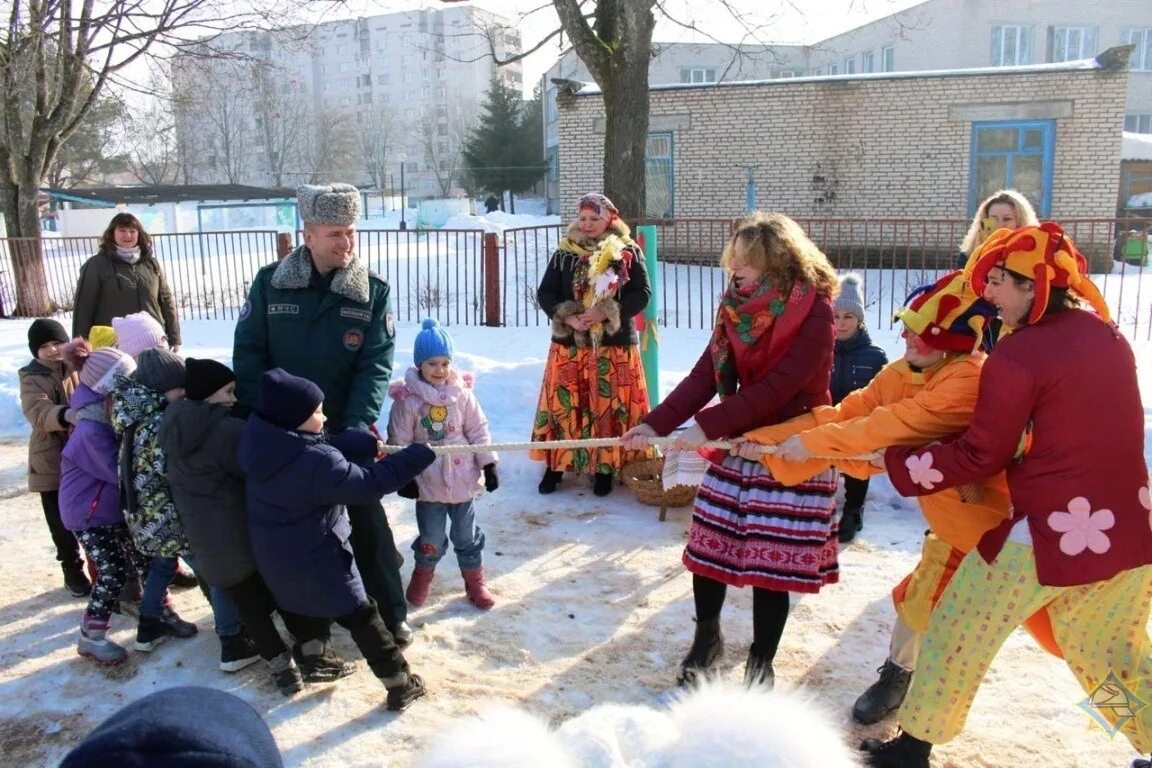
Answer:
x=403 y=203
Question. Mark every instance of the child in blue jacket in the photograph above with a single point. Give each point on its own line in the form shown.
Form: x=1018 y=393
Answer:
x=298 y=484
x=855 y=362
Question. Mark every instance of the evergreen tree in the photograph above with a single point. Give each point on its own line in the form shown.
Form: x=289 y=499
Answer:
x=504 y=151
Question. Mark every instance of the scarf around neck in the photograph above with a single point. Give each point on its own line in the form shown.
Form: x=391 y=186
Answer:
x=130 y=255
x=601 y=271
x=753 y=330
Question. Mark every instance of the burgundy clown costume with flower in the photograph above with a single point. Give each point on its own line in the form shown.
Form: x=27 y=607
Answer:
x=1059 y=412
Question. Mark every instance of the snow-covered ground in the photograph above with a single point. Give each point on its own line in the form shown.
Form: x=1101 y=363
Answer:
x=593 y=606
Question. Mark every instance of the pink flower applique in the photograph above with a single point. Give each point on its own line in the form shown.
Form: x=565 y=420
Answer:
x=920 y=471
x=1082 y=528
x=1146 y=500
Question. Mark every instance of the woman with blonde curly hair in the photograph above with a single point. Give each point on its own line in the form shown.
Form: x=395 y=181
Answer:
x=1005 y=209
x=769 y=359
x=593 y=381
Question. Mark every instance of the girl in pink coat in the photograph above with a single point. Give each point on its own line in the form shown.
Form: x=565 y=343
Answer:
x=435 y=405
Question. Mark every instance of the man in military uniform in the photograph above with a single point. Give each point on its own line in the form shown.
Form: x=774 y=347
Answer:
x=319 y=313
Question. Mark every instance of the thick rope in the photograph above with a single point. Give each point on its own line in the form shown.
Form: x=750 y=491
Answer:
x=601 y=442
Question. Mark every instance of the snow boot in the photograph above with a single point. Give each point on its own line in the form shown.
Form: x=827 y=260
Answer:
x=851 y=523
x=884 y=696
x=476 y=589
x=1142 y=763
x=319 y=663
x=602 y=485
x=286 y=674
x=75 y=581
x=550 y=481
x=904 y=751
x=236 y=652
x=707 y=648
x=94 y=643
x=417 y=592
x=403 y=689
x=402 y=633
x=758 y=670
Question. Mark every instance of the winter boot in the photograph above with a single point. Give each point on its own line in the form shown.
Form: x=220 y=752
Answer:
x=319 y=663
x=884 y=696
x=403 y=689
x=286 y=674
x=177 y=627
x=476 y=589
x=236 y=652
x=75 y=581
x=402 y=633
x=851 y=523
x=602 y=485
x=904 y=751
x=1140 y=762
x=417 y=592
x=550 y=481
x=94 y=643
x=707 y=648
x=758 y=670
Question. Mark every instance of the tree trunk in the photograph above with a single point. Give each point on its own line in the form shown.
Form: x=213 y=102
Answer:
x=626 y=140
x=29 y=278
x=511 y=201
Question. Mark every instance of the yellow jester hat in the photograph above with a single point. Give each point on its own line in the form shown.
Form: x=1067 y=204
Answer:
x=1043 y=254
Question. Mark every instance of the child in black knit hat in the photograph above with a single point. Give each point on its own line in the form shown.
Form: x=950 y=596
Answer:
x=200 y=440
x=46 y=385
x=298 y=486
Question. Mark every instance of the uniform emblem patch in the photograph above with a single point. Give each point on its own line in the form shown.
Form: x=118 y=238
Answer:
x=283 y=309
x=353 y=339
x=245 y=310
x=389 y=325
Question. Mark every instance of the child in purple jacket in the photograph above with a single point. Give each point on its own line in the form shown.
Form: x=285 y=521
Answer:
x=435 y=404
x=89 y=494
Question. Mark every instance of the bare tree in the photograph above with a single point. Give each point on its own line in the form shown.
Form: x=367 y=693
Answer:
x=149 y=134
x=49 y=51
x=328 y=147
x=277 y=101
x=444 y=139
x=228 y=115
x=375 y=136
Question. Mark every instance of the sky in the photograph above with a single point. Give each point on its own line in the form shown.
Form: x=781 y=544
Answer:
x=760 y=21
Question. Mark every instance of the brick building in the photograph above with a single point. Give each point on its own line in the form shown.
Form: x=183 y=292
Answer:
x=907 y=144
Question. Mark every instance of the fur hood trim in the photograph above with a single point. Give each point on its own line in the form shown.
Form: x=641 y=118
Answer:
x=295 y=273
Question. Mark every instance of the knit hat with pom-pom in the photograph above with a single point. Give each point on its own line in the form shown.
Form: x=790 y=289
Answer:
x=138 y=332
x=97 y=367
x=432 y=341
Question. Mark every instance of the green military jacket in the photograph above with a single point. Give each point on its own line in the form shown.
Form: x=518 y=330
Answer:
x=336 y=330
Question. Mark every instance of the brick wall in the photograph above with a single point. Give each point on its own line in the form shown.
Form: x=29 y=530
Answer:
x=863 y=146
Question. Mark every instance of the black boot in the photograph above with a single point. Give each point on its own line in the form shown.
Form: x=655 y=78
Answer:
x=884 y=696
x=758 y=670
x=403 y=689
x=402 y=633
x=904 y=751
x=1142 y=763
x=602 y=485
x=319 y=663
x=707 y=648
x=75 y=580
x=550 y=481
x=851 y=523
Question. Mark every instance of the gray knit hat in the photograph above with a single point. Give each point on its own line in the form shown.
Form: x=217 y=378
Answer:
x=851 y=298
x=160 y=369
x=336 y=205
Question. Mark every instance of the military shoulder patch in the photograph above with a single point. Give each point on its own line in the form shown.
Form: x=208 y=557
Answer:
x=389 y=325
x=353 y=339
x=356 y=314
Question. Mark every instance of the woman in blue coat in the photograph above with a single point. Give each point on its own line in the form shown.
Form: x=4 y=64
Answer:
x=297 y=488
x=855 y=361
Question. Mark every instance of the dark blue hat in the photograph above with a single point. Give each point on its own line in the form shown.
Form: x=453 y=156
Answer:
x=432 y=341
x=286 y=400
x=189 y=726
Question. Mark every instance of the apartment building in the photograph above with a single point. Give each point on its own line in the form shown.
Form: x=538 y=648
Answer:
x=349 y=100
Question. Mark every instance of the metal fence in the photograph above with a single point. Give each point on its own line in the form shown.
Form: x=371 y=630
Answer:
x=468 y=277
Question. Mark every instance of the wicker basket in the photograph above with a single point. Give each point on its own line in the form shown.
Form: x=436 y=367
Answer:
x=644 y=478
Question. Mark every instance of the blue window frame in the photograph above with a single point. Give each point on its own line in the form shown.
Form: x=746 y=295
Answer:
x=1012 y=154
x=660 y=176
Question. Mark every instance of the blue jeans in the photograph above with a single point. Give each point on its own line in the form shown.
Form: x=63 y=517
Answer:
x=432 y=544
x=160 y=573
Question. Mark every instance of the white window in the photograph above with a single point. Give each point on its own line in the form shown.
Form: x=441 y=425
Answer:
x=850 y=66
x=425 y=73
x=408 y=78
x=698 y=75
x=817 y=72
x=888 y=59
x=381 y=79
x=425 y=92
x=406 y=59
x=441 y=74
x=410 y=114
x=441 y=92
x=868 y=61
x=1011 y=45
x=1142 y=39
x=1071 y=43
x=787 y=73
x=1138 y=123
x=342 y=49
x=345 y=101
x=833 y=69
x=550 y=105
x=345 y=66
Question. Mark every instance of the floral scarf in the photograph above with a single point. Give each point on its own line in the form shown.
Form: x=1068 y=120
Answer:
x=600 y=272
x=753 y=330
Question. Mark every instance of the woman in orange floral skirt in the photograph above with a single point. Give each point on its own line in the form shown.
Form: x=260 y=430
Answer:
x=593 y=382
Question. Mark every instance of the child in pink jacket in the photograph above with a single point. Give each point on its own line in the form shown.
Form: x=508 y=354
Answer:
x=435 y=405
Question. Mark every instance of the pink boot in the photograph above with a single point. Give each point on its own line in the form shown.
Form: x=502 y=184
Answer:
x=418 y=588
x=476 y=588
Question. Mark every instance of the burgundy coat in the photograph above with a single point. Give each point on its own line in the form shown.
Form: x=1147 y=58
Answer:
x=1069 y=384
x=797 y=384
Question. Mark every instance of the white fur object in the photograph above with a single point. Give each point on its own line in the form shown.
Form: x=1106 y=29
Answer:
x=718 y=726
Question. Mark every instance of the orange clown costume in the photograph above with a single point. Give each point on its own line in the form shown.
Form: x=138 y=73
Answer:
x=904 y=405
